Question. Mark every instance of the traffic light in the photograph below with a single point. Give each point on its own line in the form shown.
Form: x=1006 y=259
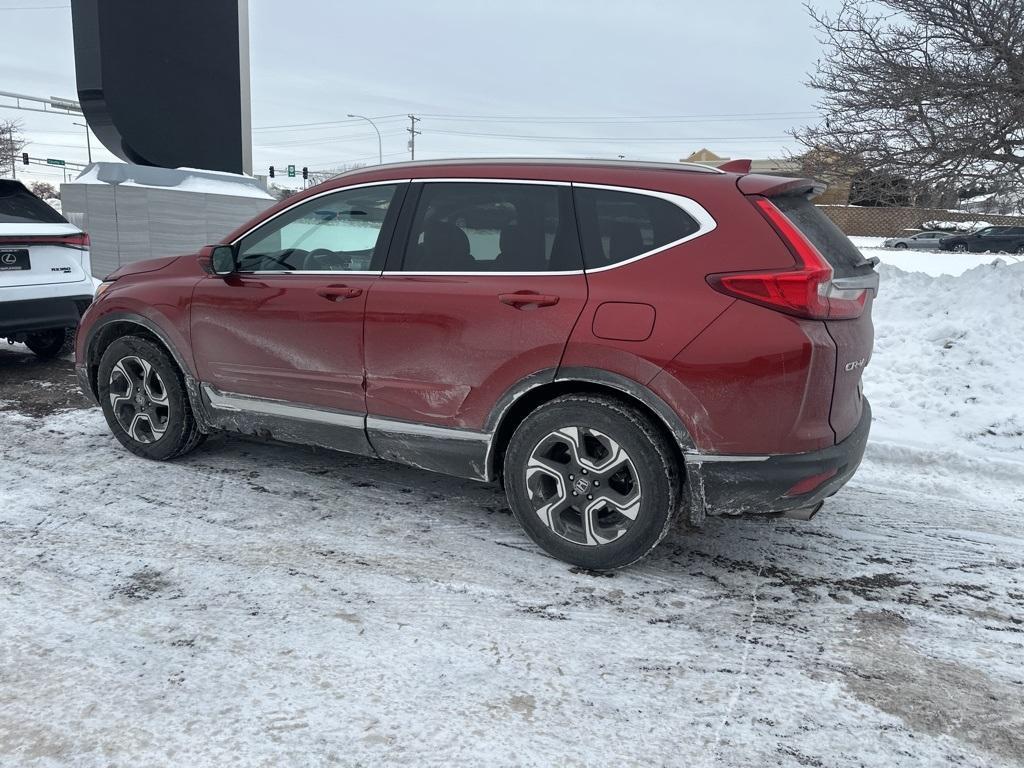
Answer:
x=305 y=172
x=24 y=158
x=271 y=171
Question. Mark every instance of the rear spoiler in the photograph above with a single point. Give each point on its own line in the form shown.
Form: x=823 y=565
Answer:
x=778 y=186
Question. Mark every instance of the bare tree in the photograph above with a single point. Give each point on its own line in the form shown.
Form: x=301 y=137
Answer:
x=11 y=144
x=45 y=190
x=927 y=94
x=321 y=176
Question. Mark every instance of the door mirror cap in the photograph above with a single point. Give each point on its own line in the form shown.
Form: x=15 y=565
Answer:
x=218 y=259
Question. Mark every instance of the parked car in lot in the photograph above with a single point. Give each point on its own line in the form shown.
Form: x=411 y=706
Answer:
x=919 y=242
x=617 y=343
x=987 y=240
x=45 y=276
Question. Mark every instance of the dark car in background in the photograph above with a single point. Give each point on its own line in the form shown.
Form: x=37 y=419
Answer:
x=987 y=240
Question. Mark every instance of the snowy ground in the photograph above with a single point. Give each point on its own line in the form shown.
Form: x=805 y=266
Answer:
x=271 y=605
x=932 y=263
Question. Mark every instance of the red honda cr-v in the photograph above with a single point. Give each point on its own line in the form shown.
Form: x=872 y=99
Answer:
x=617 y=343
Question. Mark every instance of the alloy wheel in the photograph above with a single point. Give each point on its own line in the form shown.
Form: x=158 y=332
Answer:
x=139 y=399
x=583 y=486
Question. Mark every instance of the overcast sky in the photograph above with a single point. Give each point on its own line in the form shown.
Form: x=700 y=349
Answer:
x=502 y=77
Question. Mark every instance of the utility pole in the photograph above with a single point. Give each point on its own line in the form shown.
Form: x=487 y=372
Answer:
x=14 y=165
x=413 y=133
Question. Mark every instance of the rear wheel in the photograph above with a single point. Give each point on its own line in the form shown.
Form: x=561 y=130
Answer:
x=143 y=397
x=48 y=344
x=592 y=481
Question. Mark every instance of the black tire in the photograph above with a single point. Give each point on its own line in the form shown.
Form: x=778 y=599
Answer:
x=900 y=246
x=651 y=462
x=177 y=432
x=49 y=343
x=959 y=248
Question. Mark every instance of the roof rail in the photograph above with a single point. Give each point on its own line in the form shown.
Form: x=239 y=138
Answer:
x=586 y=162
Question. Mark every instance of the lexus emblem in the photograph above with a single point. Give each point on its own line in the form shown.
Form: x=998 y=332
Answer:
x=9 y=258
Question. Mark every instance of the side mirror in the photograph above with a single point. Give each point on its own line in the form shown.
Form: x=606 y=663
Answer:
x=222 y=259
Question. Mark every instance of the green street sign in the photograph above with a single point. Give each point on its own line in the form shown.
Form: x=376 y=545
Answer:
x=291 y=171
x=54 y=161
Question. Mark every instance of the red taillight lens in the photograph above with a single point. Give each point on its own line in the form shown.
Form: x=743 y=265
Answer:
x=78 y=240
x=806 y=291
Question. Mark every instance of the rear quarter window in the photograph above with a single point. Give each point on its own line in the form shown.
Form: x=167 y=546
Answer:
x=616 y=226
x=19 y=206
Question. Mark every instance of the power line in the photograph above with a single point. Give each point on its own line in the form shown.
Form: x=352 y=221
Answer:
x=323 y=123
x=325 y=140
x=624 y=139
x=625 y=118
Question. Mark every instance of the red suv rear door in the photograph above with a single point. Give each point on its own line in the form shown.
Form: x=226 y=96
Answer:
x=483 y=286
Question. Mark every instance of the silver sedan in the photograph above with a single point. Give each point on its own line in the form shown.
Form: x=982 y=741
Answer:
x=922 y=241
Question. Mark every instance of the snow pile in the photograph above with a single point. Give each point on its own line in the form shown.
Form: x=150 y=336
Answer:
x=54 y=202
x=956 y=226
x=932 y=263
x=947 y=376
x=173 y=179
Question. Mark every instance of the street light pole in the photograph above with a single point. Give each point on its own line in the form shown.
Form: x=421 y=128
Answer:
x=88 y=142
x=380 y=145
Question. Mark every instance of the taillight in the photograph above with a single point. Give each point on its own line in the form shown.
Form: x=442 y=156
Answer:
x=804 y=291
x=78 y=240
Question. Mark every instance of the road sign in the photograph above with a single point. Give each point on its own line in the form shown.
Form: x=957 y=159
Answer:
x=291 y=171
x=54 y=161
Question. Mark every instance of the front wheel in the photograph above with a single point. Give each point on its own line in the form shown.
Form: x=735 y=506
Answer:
x=592 y=481
x=48 y=344
x=900 y=246
x=143 y=397
x=960 y=248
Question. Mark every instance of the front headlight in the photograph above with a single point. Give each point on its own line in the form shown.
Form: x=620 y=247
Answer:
x=101 y=288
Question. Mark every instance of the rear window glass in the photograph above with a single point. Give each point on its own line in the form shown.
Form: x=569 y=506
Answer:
x=830 y=241
x=19 y=206
x=618 y=226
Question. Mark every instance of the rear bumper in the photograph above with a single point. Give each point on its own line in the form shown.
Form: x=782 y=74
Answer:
x=732 y=485
x=32 y=315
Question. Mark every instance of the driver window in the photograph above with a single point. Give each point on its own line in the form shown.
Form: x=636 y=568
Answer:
x=334 y=233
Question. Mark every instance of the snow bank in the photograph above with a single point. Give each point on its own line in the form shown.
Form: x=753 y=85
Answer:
x=956 y=226
x=948 y=367
x=934 y=263
x=173 y=179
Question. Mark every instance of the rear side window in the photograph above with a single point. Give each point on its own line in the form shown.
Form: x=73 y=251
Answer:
x=492 y=227
x=830 y=241
x=617 y=226
x=19 y=206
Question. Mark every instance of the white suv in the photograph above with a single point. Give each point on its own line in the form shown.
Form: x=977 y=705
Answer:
x=46 y=278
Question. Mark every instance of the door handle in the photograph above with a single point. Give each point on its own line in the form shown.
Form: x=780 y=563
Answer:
x=339 y=292
x=522 y=299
